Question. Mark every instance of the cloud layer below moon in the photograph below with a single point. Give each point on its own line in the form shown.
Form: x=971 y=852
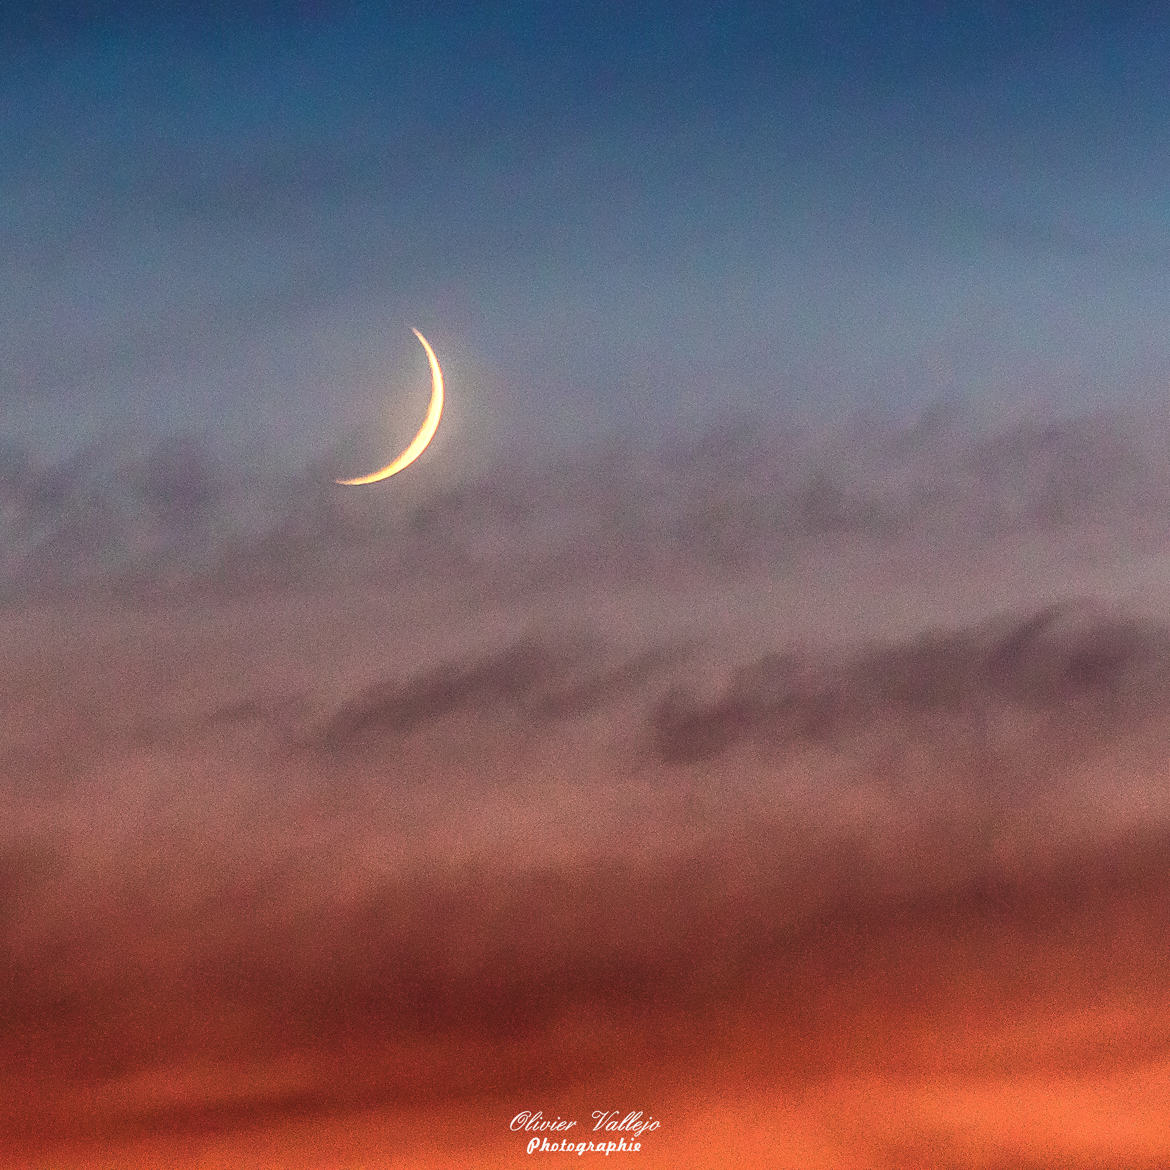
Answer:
x=785 y=807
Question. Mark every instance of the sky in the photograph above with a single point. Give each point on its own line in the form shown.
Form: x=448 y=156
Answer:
x=749 y=711
x=226 y=222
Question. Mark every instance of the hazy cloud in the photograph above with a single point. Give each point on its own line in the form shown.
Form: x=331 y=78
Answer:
x=182 y=516
x=1067 y=657
x=382 y=840
x=531 y=679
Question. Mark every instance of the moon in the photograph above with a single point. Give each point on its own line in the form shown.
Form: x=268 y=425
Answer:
x=426 y=433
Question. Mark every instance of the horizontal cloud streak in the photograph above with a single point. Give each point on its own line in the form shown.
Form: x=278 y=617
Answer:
x=183 y=517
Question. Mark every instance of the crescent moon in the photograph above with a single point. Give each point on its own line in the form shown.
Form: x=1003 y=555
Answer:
x=426 y=433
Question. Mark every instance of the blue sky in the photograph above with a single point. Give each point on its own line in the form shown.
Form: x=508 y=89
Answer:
x=597 y=212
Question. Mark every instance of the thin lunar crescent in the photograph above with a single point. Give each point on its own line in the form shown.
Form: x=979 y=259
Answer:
x=426 y=433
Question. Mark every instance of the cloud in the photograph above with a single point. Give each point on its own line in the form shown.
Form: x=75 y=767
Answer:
x=1066 y=657
x=529 y=679
x=326 y=841
x=182 y=515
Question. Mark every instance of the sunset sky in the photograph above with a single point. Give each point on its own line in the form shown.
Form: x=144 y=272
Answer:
x=749 y=711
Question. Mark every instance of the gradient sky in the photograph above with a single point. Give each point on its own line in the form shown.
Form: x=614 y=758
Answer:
x=598 y=212
x=801 y=785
